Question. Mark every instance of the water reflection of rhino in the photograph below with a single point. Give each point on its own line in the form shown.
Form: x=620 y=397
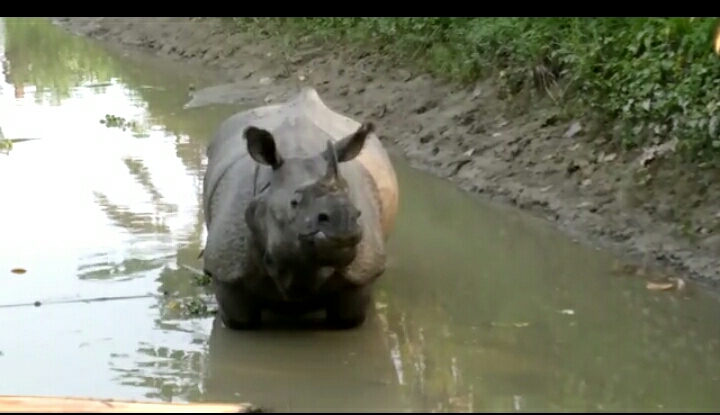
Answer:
x=302 y=370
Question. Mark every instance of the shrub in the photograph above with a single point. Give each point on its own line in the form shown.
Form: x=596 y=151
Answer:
x=656 y=78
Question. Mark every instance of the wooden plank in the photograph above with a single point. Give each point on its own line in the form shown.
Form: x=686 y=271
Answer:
x=61 y=405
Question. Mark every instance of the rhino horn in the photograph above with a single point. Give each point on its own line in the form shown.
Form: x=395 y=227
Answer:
x=332 y=167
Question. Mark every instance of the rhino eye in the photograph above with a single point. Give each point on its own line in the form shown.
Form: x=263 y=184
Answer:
x=295 y=201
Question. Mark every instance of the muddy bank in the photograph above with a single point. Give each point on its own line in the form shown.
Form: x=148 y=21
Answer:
x=507 y=150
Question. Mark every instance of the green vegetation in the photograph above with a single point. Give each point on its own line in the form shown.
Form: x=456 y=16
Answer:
x=138 y=129
x=5 y=146
x=113 y=121
x=654 y=78
x=202 y=280
x=189 y=308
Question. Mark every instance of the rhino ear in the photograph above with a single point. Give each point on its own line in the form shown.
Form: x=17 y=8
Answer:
x=349 y=147
x=261 y=146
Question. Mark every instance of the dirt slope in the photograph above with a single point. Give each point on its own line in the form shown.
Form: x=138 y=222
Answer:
x=505 y=149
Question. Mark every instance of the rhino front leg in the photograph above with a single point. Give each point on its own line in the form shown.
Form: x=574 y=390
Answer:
x=237 y=307
x=348 y=307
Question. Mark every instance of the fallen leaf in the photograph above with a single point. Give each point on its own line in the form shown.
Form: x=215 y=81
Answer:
x=477 y=92
x=520 y=325
x=659 y=286
x=567 y=311
x=575 y=128
x=18 y=270
x=653 y=152
x=667 y=284
x=173 y=305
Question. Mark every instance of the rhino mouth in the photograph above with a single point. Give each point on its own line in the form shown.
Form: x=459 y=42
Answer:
x=339 y=241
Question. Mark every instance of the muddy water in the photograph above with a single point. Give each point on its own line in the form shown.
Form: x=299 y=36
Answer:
x=481 y=308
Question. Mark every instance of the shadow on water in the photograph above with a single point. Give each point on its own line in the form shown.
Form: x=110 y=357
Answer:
x=481 y=309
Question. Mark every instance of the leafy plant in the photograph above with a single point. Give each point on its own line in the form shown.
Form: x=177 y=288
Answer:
x=656 y=78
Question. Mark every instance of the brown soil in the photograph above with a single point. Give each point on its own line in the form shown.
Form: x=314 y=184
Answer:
x=517 y=151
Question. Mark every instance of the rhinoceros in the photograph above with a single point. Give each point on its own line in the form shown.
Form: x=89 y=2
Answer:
x=299 y=202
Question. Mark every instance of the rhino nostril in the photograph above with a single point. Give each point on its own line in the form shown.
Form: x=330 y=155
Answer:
x=323 y=218
x=267 y=260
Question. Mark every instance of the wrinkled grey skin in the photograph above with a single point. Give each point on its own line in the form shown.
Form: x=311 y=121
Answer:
x=292 y=217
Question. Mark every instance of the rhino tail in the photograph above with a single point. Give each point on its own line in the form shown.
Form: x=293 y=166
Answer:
x=202 y=251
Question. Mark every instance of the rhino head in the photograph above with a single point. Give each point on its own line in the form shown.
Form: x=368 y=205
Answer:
x=305 y=223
